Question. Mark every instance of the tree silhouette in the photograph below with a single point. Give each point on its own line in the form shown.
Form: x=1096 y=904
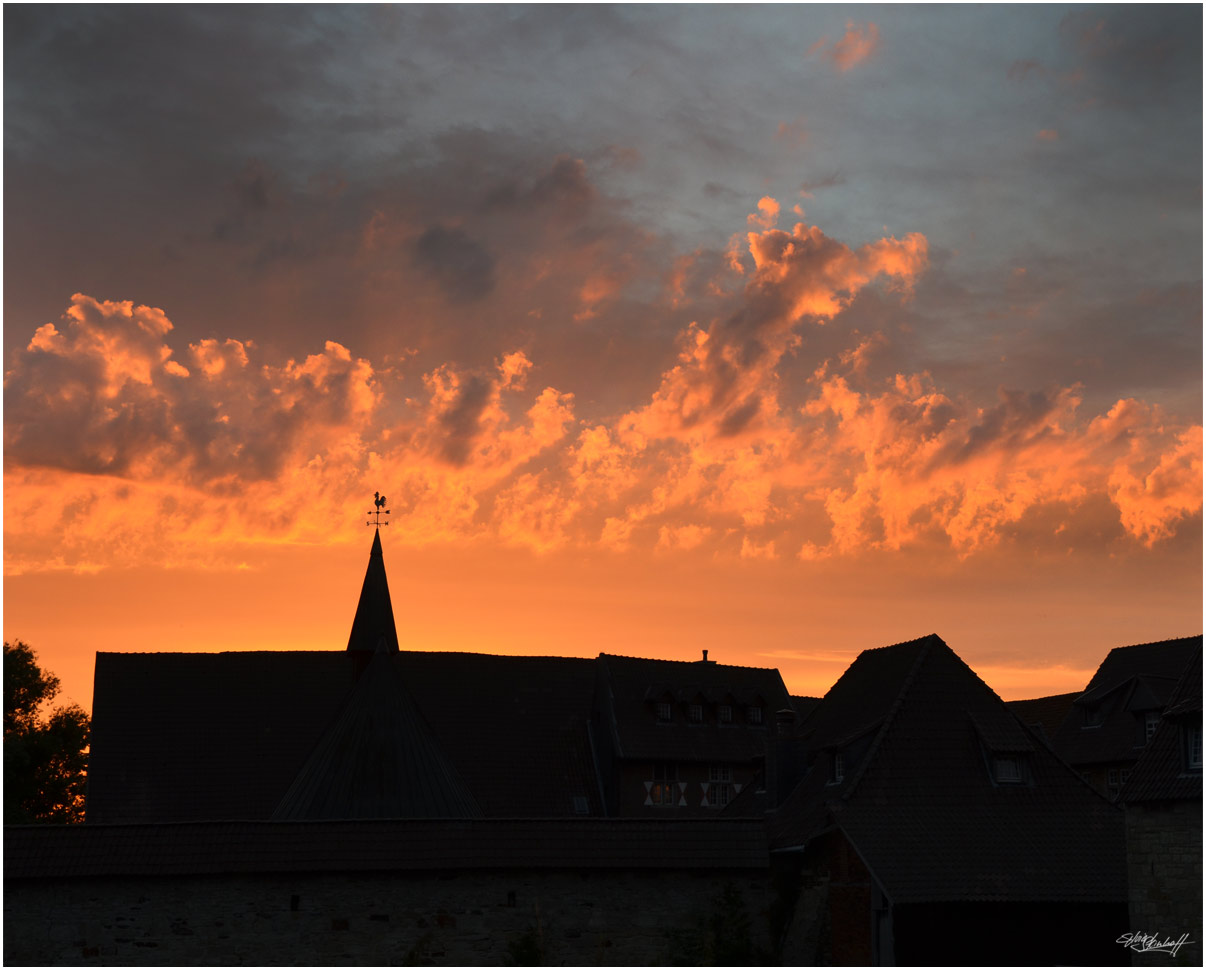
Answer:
x=45 y=756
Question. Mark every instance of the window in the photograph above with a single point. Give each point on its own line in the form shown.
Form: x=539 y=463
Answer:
x=837 y=767
x=1007 y=770
x=664 y=789
x=1093 y=717
x=1123 y=775
x=663 y=710
x=725 y=712
x=1112 y=778
x=720 y=786
x=581 y=805
x=695 y=713
x=753 y=714
x=1151 y=721
x=1193 y=747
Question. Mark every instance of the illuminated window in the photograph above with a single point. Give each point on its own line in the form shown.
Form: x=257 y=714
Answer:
x=720 y=786
x=664 y=790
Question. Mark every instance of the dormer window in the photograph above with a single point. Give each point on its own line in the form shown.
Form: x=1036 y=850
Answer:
x=1093 y=717
x=754 y=714
x=1151 y=721
x=837 y=767
x=1193 y=747
x=663 y=710
x=695 y=713
x=1007 y=770
x=725 y=713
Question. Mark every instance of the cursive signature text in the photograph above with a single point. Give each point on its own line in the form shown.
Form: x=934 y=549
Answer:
x=1151 y=943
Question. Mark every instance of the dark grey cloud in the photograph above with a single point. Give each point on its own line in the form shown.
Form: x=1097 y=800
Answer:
x=461 y=265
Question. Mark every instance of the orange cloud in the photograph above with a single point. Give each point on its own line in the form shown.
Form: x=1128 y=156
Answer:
x=1047 y=134
x=858 y=43
x=187 y=458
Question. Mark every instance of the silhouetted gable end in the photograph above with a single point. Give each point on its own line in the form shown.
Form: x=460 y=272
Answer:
x=1102 y=726
x=929 y=810
x=379 y=759
x=1167 y=769
x=374 y=620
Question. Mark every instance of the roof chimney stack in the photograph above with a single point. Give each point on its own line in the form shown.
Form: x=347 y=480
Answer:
x=705 y=658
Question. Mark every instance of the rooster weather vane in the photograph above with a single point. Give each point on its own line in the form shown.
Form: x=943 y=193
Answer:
x=376 y=513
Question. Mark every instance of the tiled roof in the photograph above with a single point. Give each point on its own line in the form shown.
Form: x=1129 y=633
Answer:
x=374 y=620
x=1161 y=773
x=630 y=687
x=179 y=737
x=1129 y=680
x=378 y=759
x=804 y=706
x=195 y=848
x=1044 y=713
x=918 y=800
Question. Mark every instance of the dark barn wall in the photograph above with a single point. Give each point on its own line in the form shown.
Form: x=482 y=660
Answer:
x=600 y=917
x=1164 y=871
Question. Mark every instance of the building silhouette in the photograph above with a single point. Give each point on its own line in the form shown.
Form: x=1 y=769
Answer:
x=374 y=805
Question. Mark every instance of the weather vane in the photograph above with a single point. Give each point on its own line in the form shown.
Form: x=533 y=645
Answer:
x=376 y=512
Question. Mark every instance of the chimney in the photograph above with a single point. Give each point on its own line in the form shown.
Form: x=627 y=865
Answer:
x=705 y=658
x=778 y=752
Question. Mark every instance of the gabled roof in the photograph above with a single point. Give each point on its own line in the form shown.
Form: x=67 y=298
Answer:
x=378 y=759
x=179 y=736
x=629 y=686
x=374 y=620
x=1045 y=714
x=1129 y=680
x=918 y=800
x=1161 y=773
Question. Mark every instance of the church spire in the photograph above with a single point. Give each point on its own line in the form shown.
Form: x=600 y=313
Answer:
x=373 y=626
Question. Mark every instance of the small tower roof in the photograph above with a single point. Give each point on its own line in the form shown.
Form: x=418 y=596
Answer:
x=374 y=620
x=378 y=759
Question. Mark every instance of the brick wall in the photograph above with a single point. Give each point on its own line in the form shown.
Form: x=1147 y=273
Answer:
x=477 y=918
x=1164 y=871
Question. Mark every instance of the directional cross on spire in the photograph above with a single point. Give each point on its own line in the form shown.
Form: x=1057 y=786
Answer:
x=376 y=512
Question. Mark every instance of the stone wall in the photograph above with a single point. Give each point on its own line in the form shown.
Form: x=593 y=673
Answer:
x=1164 y=869
x=608 y=917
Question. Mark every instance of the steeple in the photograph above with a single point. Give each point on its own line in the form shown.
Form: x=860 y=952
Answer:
x=374 y=622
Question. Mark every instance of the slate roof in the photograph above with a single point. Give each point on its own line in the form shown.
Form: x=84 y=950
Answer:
x=1161 y=773
x=629 y=688
x=1129 y=680
x=919 y=731
x=198 y=848
x=378 y=759
x=179 y=737
x=1046 y=714
x=374 y=619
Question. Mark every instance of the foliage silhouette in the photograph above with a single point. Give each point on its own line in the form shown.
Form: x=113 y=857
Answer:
x=45 y=755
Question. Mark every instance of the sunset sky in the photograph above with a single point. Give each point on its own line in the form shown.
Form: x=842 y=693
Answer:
x=781 y=332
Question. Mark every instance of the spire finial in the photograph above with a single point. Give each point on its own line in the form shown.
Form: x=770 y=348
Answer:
x=376 y=512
